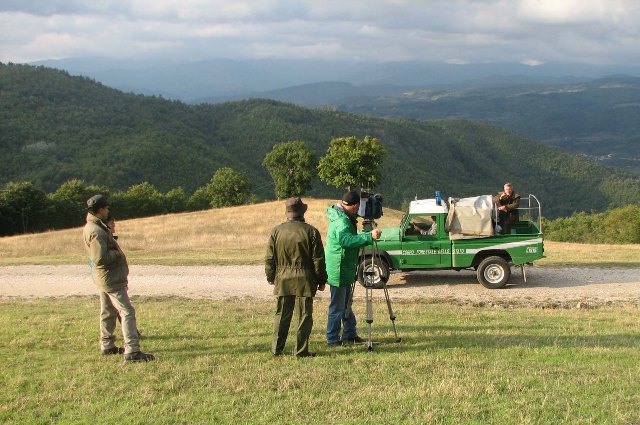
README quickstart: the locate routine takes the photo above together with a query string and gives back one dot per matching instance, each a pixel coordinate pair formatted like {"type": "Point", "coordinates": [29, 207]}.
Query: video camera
{"type": "Point", "coordinates": [370, 206]}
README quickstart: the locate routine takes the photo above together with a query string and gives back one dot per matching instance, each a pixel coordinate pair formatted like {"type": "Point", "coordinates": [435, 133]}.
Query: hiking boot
{"type": "Point", "coordinates": [356, 340]}
{"type": "Point", "coordinates": [334, 344]}
{"type": "Point", "coordinates": [138, 356]}
{"type": "Point", "coordinates": [112, 350]}
{"type": "Point", "coordinates": [307, 354]}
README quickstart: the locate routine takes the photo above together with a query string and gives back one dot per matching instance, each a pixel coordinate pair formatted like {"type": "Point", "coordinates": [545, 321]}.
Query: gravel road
{"type": "Point", "coordinates": [545, 286]}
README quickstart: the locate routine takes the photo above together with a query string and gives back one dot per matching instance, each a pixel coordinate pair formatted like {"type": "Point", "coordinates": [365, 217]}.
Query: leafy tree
{"type": "Point", "coordinates": [350, 162]}
{"type": "Point", "coordinates": [228, 188]}
{"type": "Point", "coordinates": [25, 208]}
{"type": "Point", "coordinates": [200, 200]}
{"type": "Point", "coordinates": [292, 166]}
{"type": "Point", "coordinates": [69, 203]}
{"type": "Point", "coordinates": [140, 200]}
{"type": "Point", "coordinates": [175, 200]}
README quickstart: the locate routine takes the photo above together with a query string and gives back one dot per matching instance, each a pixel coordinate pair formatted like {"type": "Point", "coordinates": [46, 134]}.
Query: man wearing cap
{"type": "Point", "coordinates": [110, 271]}
{"type": "Point", "coordinates": [294, 264]}
{"type": "Point", "coordinates": [341, 252]}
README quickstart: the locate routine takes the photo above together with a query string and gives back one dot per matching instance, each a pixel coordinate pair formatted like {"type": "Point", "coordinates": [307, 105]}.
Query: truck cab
{"type": "Point", "coordinates": [457, 234]}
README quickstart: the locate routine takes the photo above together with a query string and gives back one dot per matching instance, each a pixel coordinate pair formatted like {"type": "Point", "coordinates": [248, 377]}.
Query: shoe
{"type": "Point", "coordinates": [334, 344]}
{"type": "Point", "coordinates": [138, 356]}
{"type": "Point", "coordinates": [112, 350]}
{"type": "Point", "coordinates": [356, 340]}
{"type": "Point", "coordinates": [307, 354]}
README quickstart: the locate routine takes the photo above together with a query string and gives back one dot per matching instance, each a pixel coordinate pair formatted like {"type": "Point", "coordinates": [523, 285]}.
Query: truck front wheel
{"type": "Point", "coordinates": [493, 272]}
{"type": "Point", "coordinates": [373, 273]}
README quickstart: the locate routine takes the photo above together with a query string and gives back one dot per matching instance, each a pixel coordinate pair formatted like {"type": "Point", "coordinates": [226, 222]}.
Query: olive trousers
{"type": "Point", "coordinates": [285, 307]}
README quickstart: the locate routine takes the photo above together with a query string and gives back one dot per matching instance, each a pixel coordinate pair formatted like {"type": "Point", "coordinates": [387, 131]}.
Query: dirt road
{"type": "Point", "coordinates": [546, 286]}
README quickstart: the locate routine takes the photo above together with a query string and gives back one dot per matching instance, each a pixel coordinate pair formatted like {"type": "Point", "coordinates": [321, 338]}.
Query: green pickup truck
{"type": "Point", "coordinates": [458, 234]}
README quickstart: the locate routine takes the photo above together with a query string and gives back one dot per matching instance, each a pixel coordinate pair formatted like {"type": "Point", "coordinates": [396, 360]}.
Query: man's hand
{"type": "Point", "coordinates": [376, 233]}
{"type": "Point", "coordinates": [321, 286]}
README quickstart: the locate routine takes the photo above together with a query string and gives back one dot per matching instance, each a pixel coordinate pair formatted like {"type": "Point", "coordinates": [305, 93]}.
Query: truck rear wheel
{"type": "Point", "coordinates": [493, 272]}
{"type": "Point", "coordinates": [373, 274]}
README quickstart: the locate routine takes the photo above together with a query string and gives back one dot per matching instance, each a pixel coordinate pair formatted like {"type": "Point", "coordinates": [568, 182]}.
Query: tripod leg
{"type": "Point", "coordinates": [369, 297]}
{"type": "Point", "coordinates": [391, 315]}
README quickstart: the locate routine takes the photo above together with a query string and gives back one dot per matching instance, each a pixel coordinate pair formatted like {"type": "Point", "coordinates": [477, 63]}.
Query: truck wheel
{"type": "Point", "coordinates": [493, 272]}
{"type": "Point", "coordinates": [373, 274]}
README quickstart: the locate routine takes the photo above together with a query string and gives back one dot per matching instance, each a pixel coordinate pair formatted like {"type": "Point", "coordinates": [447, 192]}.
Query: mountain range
{"type": "Point", "coordinates": [55, 127]}
{"type": "Point", "coordinates": [590, 110]}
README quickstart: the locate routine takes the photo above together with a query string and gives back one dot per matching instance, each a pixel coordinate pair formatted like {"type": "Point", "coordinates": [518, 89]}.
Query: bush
{"type": "Point", "coordinates": [616, 226]}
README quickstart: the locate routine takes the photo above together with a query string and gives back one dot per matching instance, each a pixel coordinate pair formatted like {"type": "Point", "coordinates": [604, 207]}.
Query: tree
{"type": "Point", "coordinates": [350, 162]}
{"type": "Point", "coordinates": [292, 166]}
{"type": "Point", "coordinates": [69, 203]}
{"type": "Point", "coordinates": [140, 200]}
{"type": "Point", "coordinates": [175, 200]}
{"type": "Point", "coordinates": [24, 208]}
{"type": "Point", "coordinates": [200, 200]}
{"type": "Point", "coordinates": [228, 188]}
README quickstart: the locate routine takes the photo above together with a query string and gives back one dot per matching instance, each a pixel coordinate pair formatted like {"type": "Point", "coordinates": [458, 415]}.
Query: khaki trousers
{"type": "Point", "coordinates": [286, 305]}
{"type": "Point", "coordinates": [112, 303]}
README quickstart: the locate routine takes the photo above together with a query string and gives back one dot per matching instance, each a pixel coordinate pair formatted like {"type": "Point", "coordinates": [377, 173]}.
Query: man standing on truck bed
{"type": "Point", "coordinates": [508, 203]}
{"type": "Point", "coordinates": [341, 254]}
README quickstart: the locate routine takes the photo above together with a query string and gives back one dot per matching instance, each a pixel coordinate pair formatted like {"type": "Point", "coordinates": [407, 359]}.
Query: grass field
{"type": "Point", "coordinates": [238, 236]}
{"type": "Point", "coordinates": [454, 365]}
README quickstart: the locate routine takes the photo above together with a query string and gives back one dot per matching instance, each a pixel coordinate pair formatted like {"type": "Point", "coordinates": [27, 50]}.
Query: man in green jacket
{"type": "Point", "coordinates": [110, 270]}
{"type": "Point", "coordinates": [341, 252]}
{"type": "Point", "coordinates": [294, 264]}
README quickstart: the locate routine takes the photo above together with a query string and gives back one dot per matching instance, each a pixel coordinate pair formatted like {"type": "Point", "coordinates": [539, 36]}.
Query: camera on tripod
{"type": "Point", "coordinates": [370, 205]}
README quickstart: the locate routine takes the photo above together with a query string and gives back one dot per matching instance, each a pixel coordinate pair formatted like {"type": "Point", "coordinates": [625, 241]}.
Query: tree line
{"type": "Point", "coordinates": [349, 161]}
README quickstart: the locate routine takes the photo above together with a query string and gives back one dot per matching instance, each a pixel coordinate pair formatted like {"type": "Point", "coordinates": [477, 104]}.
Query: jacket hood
{"type": "Point", "coordinates": [335, 213]}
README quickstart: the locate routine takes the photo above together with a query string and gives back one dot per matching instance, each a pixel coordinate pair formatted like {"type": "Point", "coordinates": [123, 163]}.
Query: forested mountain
{"type": "Point", "coordinates": [599, 118]}
{"type": "Point", "coordinates": [54, 127]}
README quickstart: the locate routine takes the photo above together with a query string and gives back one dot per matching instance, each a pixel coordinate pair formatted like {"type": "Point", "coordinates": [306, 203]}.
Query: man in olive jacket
{"type": "Point", "coordinates": [109, 269]}
{"type": "Point", "coordinates": [508, 203]}
{"type": "Point", "coordinates": [341, 252]}
{"type": "Point", "coordinates": [294, 264]}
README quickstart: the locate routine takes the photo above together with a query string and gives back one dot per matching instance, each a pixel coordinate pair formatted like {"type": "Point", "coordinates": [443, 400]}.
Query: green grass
{"type": "Point", "coordinates": [455, 364]}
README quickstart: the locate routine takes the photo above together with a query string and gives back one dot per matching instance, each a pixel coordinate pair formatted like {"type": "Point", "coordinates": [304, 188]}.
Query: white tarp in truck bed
{"type": "Point", "coordinates": [470, 218]}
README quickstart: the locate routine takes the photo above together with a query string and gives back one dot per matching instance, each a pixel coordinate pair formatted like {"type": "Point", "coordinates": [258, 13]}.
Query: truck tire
{"type": "Point", "coordinates": [376, 273]}
{"type": "Point", "coordinates": [493, 272]}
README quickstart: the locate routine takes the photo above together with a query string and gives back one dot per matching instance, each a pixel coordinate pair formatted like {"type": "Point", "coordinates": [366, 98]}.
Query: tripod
{"type": "Point", "coordinates": [369, 278]}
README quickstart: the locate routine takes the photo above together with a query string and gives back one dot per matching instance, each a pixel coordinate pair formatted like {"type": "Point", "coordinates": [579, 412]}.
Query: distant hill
{"type": "Point", "coordinates": [217, 78]}
{"type": "Point", "coordinates": [599, 118]}
{"type": "Point", "coordinates": [327, 93]}
{"type": "Point", "coordinates": [55, 127]}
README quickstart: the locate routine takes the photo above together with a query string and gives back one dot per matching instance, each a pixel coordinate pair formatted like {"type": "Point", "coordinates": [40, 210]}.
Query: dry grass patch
{"type": "Point", "coordinates": [565, 253]}
{"type": "Point", "coordinates": [238, 235]}
{"type": "Point", "coordinates": [235, 235]}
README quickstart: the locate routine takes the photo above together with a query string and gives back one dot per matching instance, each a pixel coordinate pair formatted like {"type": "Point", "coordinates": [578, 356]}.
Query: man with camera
{"type": "Point", "coordinates": [294, 264]}
{"type": "Point", "coordinates": [341, 253]}
{"type": "Point", "coordinates": [110, 270]}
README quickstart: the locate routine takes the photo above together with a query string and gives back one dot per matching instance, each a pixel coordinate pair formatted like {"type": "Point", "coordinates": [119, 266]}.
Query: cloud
{"type": "Point", "coordinates": [453, 31]}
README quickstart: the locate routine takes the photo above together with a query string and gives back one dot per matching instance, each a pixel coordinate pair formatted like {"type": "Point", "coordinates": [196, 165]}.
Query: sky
{"type": "Point", "coordinates": [532, 32]}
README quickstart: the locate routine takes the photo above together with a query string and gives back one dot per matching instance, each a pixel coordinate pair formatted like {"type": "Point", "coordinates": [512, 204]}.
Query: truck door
{"type": "Point", "coordinates": [421, 249]}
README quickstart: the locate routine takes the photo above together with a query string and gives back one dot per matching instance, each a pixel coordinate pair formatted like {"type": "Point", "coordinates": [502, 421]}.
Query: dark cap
{"type": "Point", "coordinates": [351, 198]}
{"type": "Point", "coordinates": [96, 202]}
{"type": "Point", "coordinates": [295, 207]}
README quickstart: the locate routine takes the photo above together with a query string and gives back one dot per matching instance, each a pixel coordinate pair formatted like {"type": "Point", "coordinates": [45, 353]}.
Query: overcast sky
{"type": "Point", "coordinates": [453, 31]}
